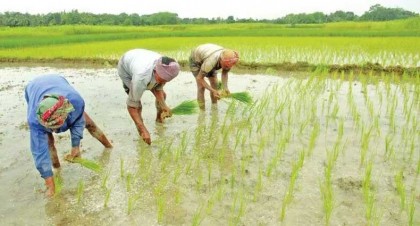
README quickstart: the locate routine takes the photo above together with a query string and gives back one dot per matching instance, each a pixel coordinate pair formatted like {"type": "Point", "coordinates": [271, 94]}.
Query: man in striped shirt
{"type": "Point", "coordinates": [205, 60]}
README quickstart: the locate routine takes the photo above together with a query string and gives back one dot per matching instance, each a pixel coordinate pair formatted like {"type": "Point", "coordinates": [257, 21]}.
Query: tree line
{"type": "Point", "coordinates": [74, 17]}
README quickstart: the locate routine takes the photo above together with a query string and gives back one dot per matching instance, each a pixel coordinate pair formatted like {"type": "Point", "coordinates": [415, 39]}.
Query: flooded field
{"type": "Point", "coordinates": [312, 150]}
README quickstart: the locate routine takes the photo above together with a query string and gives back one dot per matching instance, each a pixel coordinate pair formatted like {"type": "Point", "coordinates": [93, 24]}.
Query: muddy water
{"type": "Point", "coordinates": [22, 201]}
{"type": "Point", "coordinates": [133, 172]}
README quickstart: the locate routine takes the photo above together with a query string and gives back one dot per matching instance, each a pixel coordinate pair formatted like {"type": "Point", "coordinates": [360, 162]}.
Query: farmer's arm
{"type": "Point", "coordinates": [95, 131]}
{"type": "Point", "coordinates": [77, 125]}
{"type": "Point", "coordinates": [225, 80]}
{"type": "Point", "coordinates": [134, 106]}
{"type": "Point", "coordinates": [200, 79]}
{"type": "Point", "coordinates": [135, 114]}
{"type": "Point", "coordinates": [41, 155]}
{"type": "Point", "coordinates": [160, 104]}
{"type": "Point", "coordinates": [160, 96]}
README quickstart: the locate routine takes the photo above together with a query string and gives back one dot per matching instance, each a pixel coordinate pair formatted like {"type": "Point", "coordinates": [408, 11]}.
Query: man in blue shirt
{"type": "Point", "coordinates": [55, 106]}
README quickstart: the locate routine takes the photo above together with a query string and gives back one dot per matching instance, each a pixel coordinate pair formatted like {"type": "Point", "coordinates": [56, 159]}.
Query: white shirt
{"type": "Point", "coordinates": [138, 65]}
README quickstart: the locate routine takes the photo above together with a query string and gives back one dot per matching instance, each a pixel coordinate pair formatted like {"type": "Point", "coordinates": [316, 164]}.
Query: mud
{"type": "Point", "coordinates": [135, 180]}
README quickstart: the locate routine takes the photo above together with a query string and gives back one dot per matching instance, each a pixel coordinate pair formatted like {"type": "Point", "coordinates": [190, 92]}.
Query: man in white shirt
{"type": "Point", "coordinates": [141, 70]}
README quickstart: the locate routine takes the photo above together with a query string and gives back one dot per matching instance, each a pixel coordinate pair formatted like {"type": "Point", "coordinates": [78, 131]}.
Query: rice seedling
{"type": "Point", "coordinates": [389, 147]}
{"type": "Point", "coordinates": [177, 174]}
{"type": "Point", "coordinates": [237, 208]}
{"type": "Point", "coordinates": [304, 125]}
{"type": "Point", "coordinates": [288, 197]}
{"type": "Point", "coordinates": [238, 138]}
{"type": "Point", "coordinates": [58, 182]}
{"type": "Point", "coordinates": [199, 180]}
{"type": "Point", "coordinates": [313, 138]}
{"type": "Point", "coordinates": [326, 186]}
{"type": "Point", "coordinates": [376, 125]}
{"type": "Point", "coordinates": [105, 179]}
{"type": "Point", "coordinates": [327, 198]}
{"type": "Point", "coordinates": [365, 144]}
{"type": "Point", "coordinates": [369, 196]}
{"type": "Point", "coordinates": [89, 164]}
{"type": "Point", "coordinates": [243, 97]}
{"type": "Point", "coordinates": [211, 202]}
{"type": "Point", "coordinates": [400, 186]}
{"type": "Point", "coordinates": [80, 190]}
{"type": "Point", "coordinates": [161, 204]}
{"type": "Point", "coordinates": [411, 149]}
{"type": "Point", "coordinates": [107, 196]}
{"type": "Point", "coordinates": [197, 217]}
{"type": "Point", "coordinates": [166, 148]}
{"type": "Point", "coordinates": [369, 106]}
{"type": "Point", "coordinates": [280, 148]}
{"type": "Point", "coordinates": [178, 196]}
{"type": "Point", "coordinates": [355, 114]}
{"type": "Point", "coordinates": [411, 210]}
{"type": "Point", "coordinates": [187, 107]}
{"type": "Point", "coordinates": [209, 173]}
{"type": "Point", "coordinates": [128, 180]}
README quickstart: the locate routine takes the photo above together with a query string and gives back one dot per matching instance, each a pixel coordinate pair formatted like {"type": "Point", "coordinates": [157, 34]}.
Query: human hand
{"type": "Point", "coordinates": [146, 137]}
{"type": "Point", "coordinates": [216, 94]}
{"type": "Point", "coordinates": [166, 112]}
{"type": "Point", "coordinates": [224, 93]}
{"type": "Point", "coordinates": [75, 153]}
{"type": "Point", "coordinates": [49, 183]}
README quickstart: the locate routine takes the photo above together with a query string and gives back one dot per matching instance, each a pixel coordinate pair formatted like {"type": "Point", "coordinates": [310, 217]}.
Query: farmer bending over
{"type": "Point", "coordinates": [205, 60]}
{"type": "Point", "coordinates": [141, 70]}
{"type": "Point", "coordinates": [55, 106]}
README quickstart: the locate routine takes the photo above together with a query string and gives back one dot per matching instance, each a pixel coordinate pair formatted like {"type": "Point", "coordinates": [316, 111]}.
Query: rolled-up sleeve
{"type": "Point", "coordinates": [40, 152]}
{"type": "Point", "coordinates": [76, 121]}
{"type": "Point", "coordinates": [76, 131]}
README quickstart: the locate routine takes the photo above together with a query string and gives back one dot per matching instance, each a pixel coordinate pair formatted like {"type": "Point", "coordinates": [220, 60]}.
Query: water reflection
{"type": "Point", "coordinates": [104, 158]}
{"type": "Point", "coordinates": [75, 192]}
{"type": "Point", "coordinates": [214, 116]}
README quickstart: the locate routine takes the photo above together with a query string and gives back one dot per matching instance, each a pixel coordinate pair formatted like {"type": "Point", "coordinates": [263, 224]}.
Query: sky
{"type": "Point", "coordinates": [239, 9]}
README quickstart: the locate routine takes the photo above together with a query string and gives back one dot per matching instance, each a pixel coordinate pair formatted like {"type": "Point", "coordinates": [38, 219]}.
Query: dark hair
{"type": "Point", "coordinates": [167, 60]}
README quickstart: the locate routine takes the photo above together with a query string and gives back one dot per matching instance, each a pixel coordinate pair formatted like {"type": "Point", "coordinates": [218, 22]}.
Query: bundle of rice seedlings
{"type": "Point", "coordinates": [89, 164]}
{"type": "Point", "coordinates": [243, 97]}
{"type": "Point", "coordinates": [187, 107]}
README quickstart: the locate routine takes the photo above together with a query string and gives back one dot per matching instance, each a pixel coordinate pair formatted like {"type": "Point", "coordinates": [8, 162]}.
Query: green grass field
{"type": "Point", "coordinates": [393, 43]}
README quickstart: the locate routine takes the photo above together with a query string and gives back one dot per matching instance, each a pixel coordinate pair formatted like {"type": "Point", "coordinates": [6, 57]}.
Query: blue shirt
{"type": "Point", "coordinates": [34, 93]}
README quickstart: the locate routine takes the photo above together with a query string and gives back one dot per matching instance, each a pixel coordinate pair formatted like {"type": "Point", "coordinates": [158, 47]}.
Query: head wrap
{"type": "Point", "coordinates": [53, 111]}
{"type": "Point", "coordinates": [167, 68]}
{"type": "Point", "coordinates": [229, 57]}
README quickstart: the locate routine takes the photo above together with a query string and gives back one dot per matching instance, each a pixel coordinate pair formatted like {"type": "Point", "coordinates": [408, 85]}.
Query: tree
{"type": "Point", "coordinates": [230, 20]}
{"type": "Point", "coordinates": [161, 18]}
{"type": "Point", "coordinates": [380, 13]}
{"type": "Point", "coordinates": [72, 17]}
{"type": "Point", "coordinates": [338, 16]}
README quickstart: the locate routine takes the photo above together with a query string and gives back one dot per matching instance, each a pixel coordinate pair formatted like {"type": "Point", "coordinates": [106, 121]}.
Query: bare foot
{"type": "Point", "coordinates": [70, 157]}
